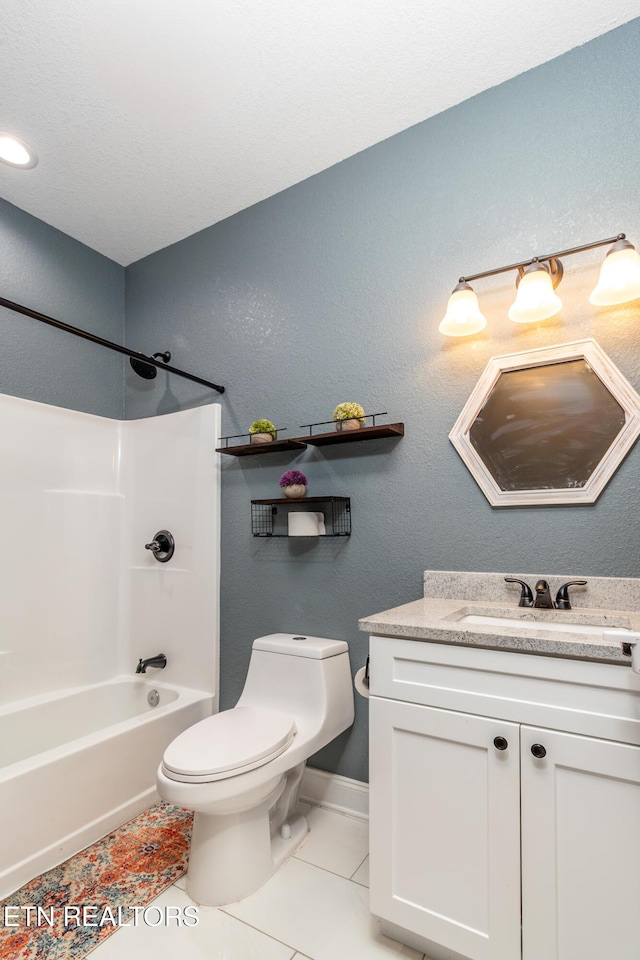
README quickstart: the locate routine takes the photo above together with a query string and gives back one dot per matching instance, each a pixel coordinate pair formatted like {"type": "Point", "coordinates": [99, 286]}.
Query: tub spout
{"type": "Point", "coordinates": [159, 661]}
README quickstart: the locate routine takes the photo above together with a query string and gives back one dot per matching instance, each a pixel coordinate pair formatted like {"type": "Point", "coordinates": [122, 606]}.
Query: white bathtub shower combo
{"type": "Point", "coordinates": [82, 601]}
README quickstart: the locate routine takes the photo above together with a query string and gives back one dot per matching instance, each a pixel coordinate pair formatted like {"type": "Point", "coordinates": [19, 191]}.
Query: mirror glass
{"type": "Point", "coordinates": [548, 426]}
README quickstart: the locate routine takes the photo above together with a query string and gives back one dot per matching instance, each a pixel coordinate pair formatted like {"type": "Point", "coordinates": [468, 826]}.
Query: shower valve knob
{"type": "Point", "coordinates": [162, 546]}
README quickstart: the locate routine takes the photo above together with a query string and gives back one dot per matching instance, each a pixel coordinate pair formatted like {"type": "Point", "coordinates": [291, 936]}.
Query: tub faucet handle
{"type": "Point", "coordinates": [162, 546]}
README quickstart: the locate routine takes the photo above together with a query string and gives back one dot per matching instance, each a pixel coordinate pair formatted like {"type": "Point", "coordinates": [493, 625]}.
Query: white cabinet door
{"type": "Point", "coordinates": [580, 848]}
{"type": "Point", "coordinates": [445, 828]}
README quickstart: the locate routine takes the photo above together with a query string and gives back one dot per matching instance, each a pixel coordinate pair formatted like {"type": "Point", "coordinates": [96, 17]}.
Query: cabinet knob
{"type": "Point", "coordinates": [538, 751]}
{"type": "Point", "coordinates": [500, 743]}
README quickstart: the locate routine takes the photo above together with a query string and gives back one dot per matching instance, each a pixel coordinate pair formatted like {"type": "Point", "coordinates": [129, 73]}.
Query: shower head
{"type": "Point", "coordinates": [145, 370]}
{"type": "Point", "coordinates": [148, 371]}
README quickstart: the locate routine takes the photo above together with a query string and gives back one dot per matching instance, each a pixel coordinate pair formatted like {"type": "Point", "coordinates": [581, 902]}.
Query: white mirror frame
{"type": "Point", "coordinates": [613, 380]}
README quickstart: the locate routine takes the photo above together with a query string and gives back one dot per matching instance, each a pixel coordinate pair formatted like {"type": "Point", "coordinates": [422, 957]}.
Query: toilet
{"type": "Point", "coordinates": [240, 769]}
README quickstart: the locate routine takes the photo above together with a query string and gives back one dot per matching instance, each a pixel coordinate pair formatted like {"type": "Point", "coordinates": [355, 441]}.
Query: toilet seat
{"type": "Point", "coordinates": [228, 744]}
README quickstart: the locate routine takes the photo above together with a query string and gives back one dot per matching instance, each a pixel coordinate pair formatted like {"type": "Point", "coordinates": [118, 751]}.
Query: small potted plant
{"type": "Point", "coordinates": [294, 484]}
{"type": "Point", "coordinates": [348, 416]}
{"type": "Point", "coordinates": [262, 431]}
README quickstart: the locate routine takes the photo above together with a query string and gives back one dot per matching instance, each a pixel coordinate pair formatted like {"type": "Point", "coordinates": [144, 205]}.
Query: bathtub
{"type": "Point", "coordinates": [75, 765]}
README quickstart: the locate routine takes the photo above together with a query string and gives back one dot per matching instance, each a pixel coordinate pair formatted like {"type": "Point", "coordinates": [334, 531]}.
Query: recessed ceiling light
{"type": "Point", "coordinates": [16, 152]}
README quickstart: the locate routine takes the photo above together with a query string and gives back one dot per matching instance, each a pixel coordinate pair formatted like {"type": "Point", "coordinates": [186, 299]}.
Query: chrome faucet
{"type": "Point", "coordinates": [159, 661]}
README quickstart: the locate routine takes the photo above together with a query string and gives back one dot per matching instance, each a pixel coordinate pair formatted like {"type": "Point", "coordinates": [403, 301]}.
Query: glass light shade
{"type": "Point", "coordinates": [619, 276]}
{"type": "Point", "coordinates": [535, 299]}
{"type": "Point", "coordinates": [16, 153]}
{"type": "Point", "coordinates": [463, 316]}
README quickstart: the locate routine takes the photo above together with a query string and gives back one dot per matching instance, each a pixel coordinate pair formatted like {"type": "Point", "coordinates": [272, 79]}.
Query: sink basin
{"type": "Point", "coordinates": [556, 626]}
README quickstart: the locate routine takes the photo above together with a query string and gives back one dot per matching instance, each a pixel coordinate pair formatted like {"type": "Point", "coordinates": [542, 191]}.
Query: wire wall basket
{"type": "Point", "coordinates": [269, 518]}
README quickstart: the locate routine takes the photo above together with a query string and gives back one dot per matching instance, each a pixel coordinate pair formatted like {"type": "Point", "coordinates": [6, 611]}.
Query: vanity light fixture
{"type": "Point", "coordinates": [536, 282]}
{"type": "Point", "coordinates": [619, 276]}
{"type": "Point", "coordinates": [16, 153]}
{"type": "Point", "coordinates": [463, 316]}
{"type": "Point", "coordinates": [536, 299]}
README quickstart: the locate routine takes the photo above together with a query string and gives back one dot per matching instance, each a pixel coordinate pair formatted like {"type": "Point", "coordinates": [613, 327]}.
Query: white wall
{"type": "Point", "coordinates": [80, 598]}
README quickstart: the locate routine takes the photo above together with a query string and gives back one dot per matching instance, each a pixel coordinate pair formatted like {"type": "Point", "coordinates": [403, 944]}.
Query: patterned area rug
{"type": "Point", "coordinates": [68, 911]}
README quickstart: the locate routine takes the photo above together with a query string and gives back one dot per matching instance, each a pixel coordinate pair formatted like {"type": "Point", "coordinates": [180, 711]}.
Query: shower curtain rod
{"type": "Point", "coordinates": [109, 344]}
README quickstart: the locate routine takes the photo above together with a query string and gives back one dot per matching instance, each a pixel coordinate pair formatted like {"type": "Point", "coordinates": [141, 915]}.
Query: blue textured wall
{"type": "Point", "coordinates": [48, 271]}
{"type": "Point", "coordinates": [333, 291]}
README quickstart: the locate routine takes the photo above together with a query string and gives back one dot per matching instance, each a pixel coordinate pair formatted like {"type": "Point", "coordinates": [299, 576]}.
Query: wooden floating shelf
{"type": "Point", "coordinates": [318, 440]}
{"type": "Point", "coordinates": [350, 436]}
{"type": "Point", "coordinates": [249, 449]}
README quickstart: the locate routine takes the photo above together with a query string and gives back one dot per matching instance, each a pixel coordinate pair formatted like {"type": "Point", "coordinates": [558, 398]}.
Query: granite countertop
{"type": "Point", "coordinates": [438, 618]}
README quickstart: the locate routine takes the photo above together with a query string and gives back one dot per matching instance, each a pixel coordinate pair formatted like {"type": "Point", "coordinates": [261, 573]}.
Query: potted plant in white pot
{"type": "Point", "coordinates": [293, 484]}
{"type": "Point", "coordinates": [348, 416]}
{"type": "Point", "coordinates": [262, 431]}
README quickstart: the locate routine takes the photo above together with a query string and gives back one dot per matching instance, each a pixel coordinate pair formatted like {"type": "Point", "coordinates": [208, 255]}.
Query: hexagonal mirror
{"type": "Point", "coordinates": [548, 426]}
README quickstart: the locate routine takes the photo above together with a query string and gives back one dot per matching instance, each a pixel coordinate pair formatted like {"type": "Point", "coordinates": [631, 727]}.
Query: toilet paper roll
{"type": "Point", "coordinates": [359, 682]}
{"type": "Point", "coordinates": [305, 524]}
{"type": "Point", "coordinates": [628, 639]}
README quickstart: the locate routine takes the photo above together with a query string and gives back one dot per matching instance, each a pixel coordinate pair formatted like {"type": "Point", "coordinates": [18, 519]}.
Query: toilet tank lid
{"type": "Point", "coordinates": [300, 645]}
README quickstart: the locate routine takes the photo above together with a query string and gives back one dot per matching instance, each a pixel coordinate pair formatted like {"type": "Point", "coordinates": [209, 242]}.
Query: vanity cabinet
{"type": "Point", "coordinates": [504, 803]}
{"type": "Point", "coordinates": [444, 862]}
{"type": "Point", "coordinates": [580, 847]}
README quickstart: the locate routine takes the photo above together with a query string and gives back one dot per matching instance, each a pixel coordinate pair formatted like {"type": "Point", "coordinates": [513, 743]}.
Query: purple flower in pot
{"type": "Point", "coordinates": [294, 484]}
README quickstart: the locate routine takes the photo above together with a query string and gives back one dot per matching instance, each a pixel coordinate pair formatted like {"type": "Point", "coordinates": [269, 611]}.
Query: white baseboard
{"type": "Point", "coordinates": [342, 794]}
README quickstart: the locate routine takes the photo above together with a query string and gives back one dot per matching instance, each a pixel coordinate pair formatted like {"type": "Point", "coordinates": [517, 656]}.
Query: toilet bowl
{"type": "Point", "coordinates": [240, 770]}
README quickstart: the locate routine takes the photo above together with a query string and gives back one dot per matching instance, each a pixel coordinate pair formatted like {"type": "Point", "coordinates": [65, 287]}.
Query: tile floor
{"type": "Point", "coordinates": [314, 908]}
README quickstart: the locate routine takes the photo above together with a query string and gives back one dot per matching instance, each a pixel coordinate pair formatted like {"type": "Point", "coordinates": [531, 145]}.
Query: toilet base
{"type": "Point", "coordinates": [233, 854]}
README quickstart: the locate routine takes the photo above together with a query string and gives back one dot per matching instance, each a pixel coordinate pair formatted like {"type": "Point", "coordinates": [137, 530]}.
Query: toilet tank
{"type": "Point", "coordinates": [295, 645]}
{"type": "Point", "coordinates": [308, 677]}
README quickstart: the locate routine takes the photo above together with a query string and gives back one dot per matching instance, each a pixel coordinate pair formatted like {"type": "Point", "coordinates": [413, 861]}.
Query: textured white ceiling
{"type": "Point", "coordinates": [156, 118]}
